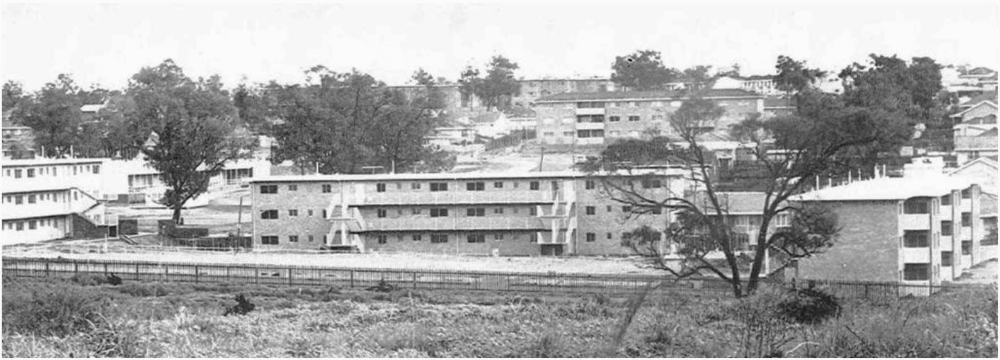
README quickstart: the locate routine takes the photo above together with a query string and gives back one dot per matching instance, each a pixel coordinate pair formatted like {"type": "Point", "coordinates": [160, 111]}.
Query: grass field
{"type": "Point", "coordinates": [81, 317]}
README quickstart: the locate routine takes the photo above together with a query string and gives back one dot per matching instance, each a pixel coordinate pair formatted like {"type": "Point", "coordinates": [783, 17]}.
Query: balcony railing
{"type": "Point", "coordinates": [459, 223]}
{"type": "Point", "coordinates": [458, 197]}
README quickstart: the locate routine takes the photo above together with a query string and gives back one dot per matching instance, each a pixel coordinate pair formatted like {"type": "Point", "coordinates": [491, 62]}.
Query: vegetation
{"type": "Point", "coordinates": [185, 320]}
{"type": "Point", "coordinates": [496, 88]}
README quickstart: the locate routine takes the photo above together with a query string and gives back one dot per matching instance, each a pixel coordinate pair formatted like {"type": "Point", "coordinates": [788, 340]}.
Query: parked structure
{"type": "Point", "coordinates": [601, 118]}
{"type": "Point", "coordinates": [507, 214]}
{"type": "Point", "coordinates": [45, 199]}
{"type": "Point", "coordinates": [918, 229]}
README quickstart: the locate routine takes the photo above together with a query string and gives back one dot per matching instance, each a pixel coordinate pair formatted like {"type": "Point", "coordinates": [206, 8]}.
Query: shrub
{"type": "Point", "coordinates": [46, 309]}
{"type": "Point", "coordinates": [243, 306]}
{"type": "Point", "coordinates": [116, 339]}
{"type": "Point", "coordinates": [549, 345]}
{"type": "Point", "coordinates": [382, 287]}
{"type": "Point", "coordinates": [416, 337]}
{"type": "Point", "coordinates": [143, 290]}
{"type": "Point", "coordinates": [809, 306]}
{"type": "Point", "coordinates": [87, 279]}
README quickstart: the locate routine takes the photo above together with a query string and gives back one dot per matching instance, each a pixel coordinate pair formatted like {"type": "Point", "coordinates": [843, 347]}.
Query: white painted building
{"type": "Point", "coordinates": [46, 199]}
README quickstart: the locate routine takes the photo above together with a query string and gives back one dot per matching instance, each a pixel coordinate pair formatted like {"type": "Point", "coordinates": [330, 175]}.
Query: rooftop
{"type": "Point", "coordinates": [49, 161]}
{"type": "Point", "coordinates": [645, 95]}
{"type": "Point", "coordinates": [982, 120]}
{"type": "Point", "coordinates": [890, 188]}
{"type": "Point", "coordinates": [444, 176]}
{"type": "Point", "coordinates": [990, 96]}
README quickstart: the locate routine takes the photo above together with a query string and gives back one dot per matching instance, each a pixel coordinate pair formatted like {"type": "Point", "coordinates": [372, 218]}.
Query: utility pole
{"type": "Point", "coordinates": [541, 160]}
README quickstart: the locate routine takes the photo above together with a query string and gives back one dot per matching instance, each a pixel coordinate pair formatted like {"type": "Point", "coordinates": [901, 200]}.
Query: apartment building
{"type": "Point", "coordinates": [920, 229]}
{"type": "Point", "coordinates": [553, 213]}
{"type": "Point", "coordinates": [601, 118]}
{"type": "Point", "coordinates": [45, 199]}
{"type": "Point", "coordinates": [533, 89]}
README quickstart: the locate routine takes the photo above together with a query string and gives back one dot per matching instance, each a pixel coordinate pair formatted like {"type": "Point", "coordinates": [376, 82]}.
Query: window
{"type": "Point", "coordinates": [439, 213]}
{"type": "Point", "coordinates": [915, 238]}
{"type": "Point", "coordinates": [438, 239]}
{"type": "Point", "coordinates": [327, 188]}
{"type": "Point", "coordinates": [657, 117]}
{"type": "Point", "coordinates": [590, 184]}
{"type": "Point", "coordinates": [591, 210]}
{"type": "Point", "coordinates": [657, 210]}
{"type": "Point", "coordinates": [626, 209]}
{"type": "Point", "coordinates": [269, 214]}
{"type": "Point", "coordinates": [591, 237]}
{"type": "Point", "coordinates": [609, 208]}
{"type": "Point", "coordinates": [269, 189]}
{"type": "Point", "coordinates": [293, 212]}
{"type": "Point", "coordinates": [916, 206]}
{"type": "Point", "coordinates": [439, 186]}
{"type": "Point", "coordinates": [533, 211]}
{"type": "Point", "coordinates": [415, 186]}
{"type": "Point", "coordinates": [293, 238]}
{"type": "Point", "coordinates": [946, 258]}
{"type": "Point", "coordinates": [31, 199]}
{"type": "Point", "coordinates": [269, 240]}
{"type": "Point", "coordinates": [589, 133]}
{"type": "Point", "coordinates": [17, 173]}
{"type": "Point", "coordinates": [382, 213]}
{"type": "Point", "coordinates": [475, 186]}
{"type": "Point", "coordinates": [18, 199]}
{"type": "Point", "coordinates": [31, 173]}
{"type": "Point", "coordinates": [293, 188]}
{"type": "Point", "coordinates": [568, 133]}
{"type": "Point", "coordinates": [534, 185]}
{"type": "Point", "coordinates": [533, 238]}
{"type": "Point", "coordinates": [310, 238]}
{"type": "Point", "coordinates": [399, 186]}
{"type": "Point", "coordinates": [382, 239]}
{"type": "Point", "coordinates": [309, 213]}
{"type": "Point", "coordinates": [967, 193]}
{"type": "Point", "coordinates": [498, 210]}
{"type": "Point", "coordinates": [20, 225]}
{"type": "Point", "coordinates": [916, 272]}
{"type": "Point", "coordinates": [324, 213]}
{"type": "Point", "coordinates": [498, 185]}
{"type": "Point", "coordinates": [614, 118]}
{"type": "Point", "coordinates": [946, 228]}
{"type": "Point", "coordinates": [416, 211]}
{"type": "Point", "coordinates": [967, 247]}
{"type": "Point", "coordinates": [417, 238]}
{"type": "Point", "coordinates": [946, 200]}
{"type": "Point", "coordinates": [475, 212]}
{"type": "Point", "coordinates": [651, 184]}
{"type": "Point", "coordinates": [476, 238]}
{"type": "Point", "coordinates": [633, 118]}
{"type": "Point", "coordinates": [380, 187]}
{"type": "Point", "coordinates": [966, 219]}
{"type": "Point", "coordinates": [32, 225]}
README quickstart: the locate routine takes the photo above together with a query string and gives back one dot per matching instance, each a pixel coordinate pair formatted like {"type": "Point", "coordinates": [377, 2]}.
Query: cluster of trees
{"type": "Point", "coordinates": [643, 70]}
{"type": "Point", "coordinates": [497, 88]}
{"type": "Point", "coordinates": [827, 134]}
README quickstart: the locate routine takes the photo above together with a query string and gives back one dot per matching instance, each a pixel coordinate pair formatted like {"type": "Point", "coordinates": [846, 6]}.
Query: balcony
{"type": "Point", "coordinates": [916, 255]}
{"type": "Point", "coordinates": [590, 111]}
{"type": "Point", "coordinates": [458, 197]}
{"type": "Point", "coordinates": [590, 126]}
{"type": "Point", "coordinates": [459, 224]}
{"type": "Point", "coordinates": [915, 221]}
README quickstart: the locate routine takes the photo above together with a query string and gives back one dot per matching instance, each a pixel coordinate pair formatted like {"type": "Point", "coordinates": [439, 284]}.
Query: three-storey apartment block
{"type": "Point", "coordinates": [468, 213]}
{"type": "Point", "coordinates": [598, 118]}
{"type": "Point", "coordinates": [45, 199]}
{"type": "Point", "coordinates": [914, 230]}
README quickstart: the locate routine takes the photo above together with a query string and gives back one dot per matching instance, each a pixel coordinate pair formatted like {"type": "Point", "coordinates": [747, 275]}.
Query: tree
{"type": "Point", "coordinates": [54, 116]}
{"type": "Point", "coordinates": [891, 84]}
{"type": "Point", "coordinates": [809, 145]}
{"type": "Point", "coordinates": [421, 77]}
{"type": "Point", "coordinates": [642, 70]}
{"type": "Point", "coordinates": [497, 88]}
{"type": "Point", "coordinates": [698, 77]}
{"type": "Point", "coordinates": [344, 122]}
{"type": "Point", "coordinates": [251, 105]}
{"type": "Point", "coordinates": [193, 129]}
{"type": "Point", "coordinates": [13, 95]}
{"type": "Point", "coordinates": [793, 76]}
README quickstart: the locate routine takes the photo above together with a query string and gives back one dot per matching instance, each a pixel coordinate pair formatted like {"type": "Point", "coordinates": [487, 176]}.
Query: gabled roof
{"type": "Point", "coordinates": [890, 189]}
{"type": "Point", "coordinates": [982, 160]}
{"type": "Point", "coordinates": [990, 103]}
{"type": "Point", "coordinates": [982, 120]}
{"type": "Point", "coordinates": [990, 96]}
{"type": "Point", "coordinates": [989, 133]}
{"type": "Point", "coordinates": [644, 95]}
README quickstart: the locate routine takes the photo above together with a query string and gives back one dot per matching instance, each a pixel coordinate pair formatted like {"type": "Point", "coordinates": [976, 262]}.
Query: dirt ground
{"type": "Point", "coordinates": [221, 216]}
{"type": "Point", "coordinates": [983, 273]}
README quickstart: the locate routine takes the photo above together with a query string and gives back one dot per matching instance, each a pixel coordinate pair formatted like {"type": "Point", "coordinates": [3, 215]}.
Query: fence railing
{"type": "Point", "coordinates": [420, 279]}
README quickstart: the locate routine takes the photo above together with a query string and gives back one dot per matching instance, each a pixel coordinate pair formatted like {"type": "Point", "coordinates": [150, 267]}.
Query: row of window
{"type": "Point", "coordinates": [923, 205]}
{"type": "Point", "coordinates": [32, 224]}
{"type": "Point", "coordinates": [609, 133]}
{"type": "Point", "coordinates": [614, 118]}
{"type": "Point", "coordinates": [614, 104]}
{"type": "Point", "coordinates": [272, 214]}
{"type": "Point", "coordinates": [434, 186]}
{"type": "Point", "coordinates": [384, 239]}
{"type": "Point", "coordinates": [32, 172]}
{"type": "Point", "coordinates": [35, 198]}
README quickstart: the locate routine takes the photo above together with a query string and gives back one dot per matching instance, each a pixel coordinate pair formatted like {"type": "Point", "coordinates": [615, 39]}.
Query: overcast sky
{"type": "Point", "coordinates": [107, 44]}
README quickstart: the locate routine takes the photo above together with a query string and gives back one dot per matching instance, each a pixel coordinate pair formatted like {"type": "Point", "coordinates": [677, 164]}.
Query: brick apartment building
{"type": "Point", "coordinates": [601, 117]}
{"type": "Point", "coordinates": [920, 229]}
{"type": "Point", "coordinates": [46, 199]}
{"type": "Point", "coordinates": [509, 214]}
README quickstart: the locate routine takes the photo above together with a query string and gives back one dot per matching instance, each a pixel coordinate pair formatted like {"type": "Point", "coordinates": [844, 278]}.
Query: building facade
{"type": "Point", "coordinates": [921, 230]}
{"type": "Point", "coordinates": [534, 89]}
{"type": "Point", "coordinates": [474, 213]}
{"type": "Point", "coordinates": [975, 131]}
{"type": "Point", "coordinates": [602, 118]}
{"type": "Point", "coordinates": [46, 199]}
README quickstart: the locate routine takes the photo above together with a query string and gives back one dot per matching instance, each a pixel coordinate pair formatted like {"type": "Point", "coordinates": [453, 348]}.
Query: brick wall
{"type": "Point", "coordinates": [862, 252]}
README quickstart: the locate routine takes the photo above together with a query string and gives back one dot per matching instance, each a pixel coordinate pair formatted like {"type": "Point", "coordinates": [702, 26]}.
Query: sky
{"type": "Point", "coordinates": [107, 44]}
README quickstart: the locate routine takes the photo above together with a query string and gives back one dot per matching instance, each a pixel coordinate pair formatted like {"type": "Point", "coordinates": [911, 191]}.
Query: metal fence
{"type": "Point", "coordinates": [420, 279]}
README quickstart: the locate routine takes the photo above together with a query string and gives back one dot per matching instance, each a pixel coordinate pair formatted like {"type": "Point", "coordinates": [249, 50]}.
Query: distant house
{"type": "Point", "coordinates": [491, 124]}
{"type": "Point", "coordinates": [761, 84]}
{"type": "Point", "coordinates": [982, 171]}
{"type": "Point", "coordinates": [975, 133]}
{"type": "Point", "coordinates": [18, 141]}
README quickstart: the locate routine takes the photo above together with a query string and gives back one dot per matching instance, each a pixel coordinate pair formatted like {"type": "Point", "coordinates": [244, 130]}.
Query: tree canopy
{"type": "Point", "coordinates": [642, 70]}
{"type": "Point", "coordinates": [497, 88]}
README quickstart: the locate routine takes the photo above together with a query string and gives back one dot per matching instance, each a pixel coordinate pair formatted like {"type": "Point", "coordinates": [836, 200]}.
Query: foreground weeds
{"type": "Point", "coordinates": [84, 317]}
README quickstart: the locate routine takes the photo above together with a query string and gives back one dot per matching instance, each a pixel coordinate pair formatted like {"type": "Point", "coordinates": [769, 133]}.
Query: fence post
{"type": "Point", "coordinates": [76, 267]}
{"type": "Point", "coordinates": [196, 273]}
{"type": "Point", "coordinates": [46, 269]}
{"type": "Point", "coordinates": [414, 280]}
{"type": "Point", "coordinates": [352, 278]}
{"type": "Point", "coordinates": [289, 276]}
{"type": "Point", "coordinates": [137, 271]}
{"type": "Point", "coordinates": [105, 269]}
{"type": "Point", "coordinates": [256, 276]}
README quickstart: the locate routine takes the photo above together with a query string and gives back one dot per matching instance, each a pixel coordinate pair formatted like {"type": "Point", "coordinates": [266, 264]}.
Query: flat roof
{"type": "Point", "coordinates": [924, 185]}
{"type": "Point", "coordinates": [453, 176]}
{"type": "Point", "coordinates": [645, 95]}
{"type": "Point", "coordinates": [49, 161]}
